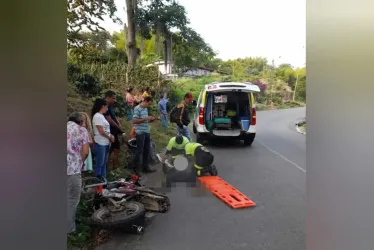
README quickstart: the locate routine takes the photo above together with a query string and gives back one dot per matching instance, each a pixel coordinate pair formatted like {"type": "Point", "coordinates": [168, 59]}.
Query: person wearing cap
{"type": "Point", "coordinates": [184, 117]}
{"type": "Point", "coordinates": [201, 158]}
{"type": "Point", "coordinates": [176, 147]}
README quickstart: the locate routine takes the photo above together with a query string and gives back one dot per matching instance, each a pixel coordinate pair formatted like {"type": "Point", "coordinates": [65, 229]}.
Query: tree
{"type": "Point", "coordinates": [95, 47]}
{"type": "Point", "coordinates": [85, 13]}
{"type": "Point", "coordinates": [286, 73]}
{"type": "Point", "coordinates": [131, 6]}
{"type": "Point", "coordinates": [214, 64]}
{"type": "Point", "coordinates": [190, 50]}
{"type": "Point", "coordinates": [118, 40]}
{"type": "Point", "coordinates": [300, 89]}
{"type": "Point", "coordinates": [159, 17]}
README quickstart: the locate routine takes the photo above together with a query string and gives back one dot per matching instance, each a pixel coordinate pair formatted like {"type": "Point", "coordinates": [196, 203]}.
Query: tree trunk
{"type": "Point", "coordinates": [125, 31]}
{"type": "Point", "coordinates": [157, 40]}
{"type": "Point", "coordinates": [166, 56]}
{"type": "Point", "coordinates": [126, 39]}
{"type": "Point", "coordinates": [131, 33]}
{"type": "Point", "coordinates": [170, 52]}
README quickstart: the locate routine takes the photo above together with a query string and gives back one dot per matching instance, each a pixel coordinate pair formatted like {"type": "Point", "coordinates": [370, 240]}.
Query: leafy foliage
{"type": "Point", "coordinates": [95, 47]}
{"type": "Point", "coordinates": [87, 86]}
{"type": "Point", "coordinates": [160, 14]}
{"type": "Point", "coordinates": [190, 50]}
{"type": "Point", "coordinates": [85, 13]}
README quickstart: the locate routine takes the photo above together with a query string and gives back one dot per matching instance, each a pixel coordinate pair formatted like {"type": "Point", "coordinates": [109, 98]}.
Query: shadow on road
{"type": "Point", "coordinates": [225, 143]}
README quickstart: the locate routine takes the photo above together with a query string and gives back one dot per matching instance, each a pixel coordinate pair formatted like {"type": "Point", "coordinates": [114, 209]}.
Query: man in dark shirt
{"type": "Point", "coordinates": [184, 117]}
{"type": "Point", "coordinates": [115, 126]}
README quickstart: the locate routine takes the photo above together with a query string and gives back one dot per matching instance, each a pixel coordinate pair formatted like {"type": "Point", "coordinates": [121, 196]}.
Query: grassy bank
{"type": "Point", "coordinates": [85, 238]}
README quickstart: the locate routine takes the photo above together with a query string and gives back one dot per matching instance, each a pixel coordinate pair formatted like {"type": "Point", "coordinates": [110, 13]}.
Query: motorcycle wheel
{"type": "Point", "coordinates": [131, 213]}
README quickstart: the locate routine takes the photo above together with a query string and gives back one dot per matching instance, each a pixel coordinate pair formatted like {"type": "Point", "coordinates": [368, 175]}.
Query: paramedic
{"type": "Point", "coordinates": [201, 158]}
{"type": "Point", "coordinates": [176, 146]}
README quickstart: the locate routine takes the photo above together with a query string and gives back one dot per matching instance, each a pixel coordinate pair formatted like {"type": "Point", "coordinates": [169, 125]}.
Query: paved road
{"type": "Point", "coordinates": [271, 172]}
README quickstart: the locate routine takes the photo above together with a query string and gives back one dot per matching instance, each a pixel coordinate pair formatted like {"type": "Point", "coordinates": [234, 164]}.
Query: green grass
{"type": "Point", "coordinates": [193, 85]}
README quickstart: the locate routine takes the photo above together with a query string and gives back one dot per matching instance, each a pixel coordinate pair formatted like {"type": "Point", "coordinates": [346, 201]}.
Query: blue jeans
{"type": "Point", "coordinates": [101, 155]}
{"type": "Point", "coordinates": [164, 120]}
{"type": "Point", "coordinates": [143, 143]}
{"type": "Point", "coordinates": [184, 132]}
{"type": "Point", "coordinates": [130, 113]}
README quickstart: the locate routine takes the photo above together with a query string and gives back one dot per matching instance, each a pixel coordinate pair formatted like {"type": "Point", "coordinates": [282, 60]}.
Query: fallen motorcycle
{"type": "Point", "coordinates": [123, 203]}
{"type": "Point", "coordinates": [152, 201]}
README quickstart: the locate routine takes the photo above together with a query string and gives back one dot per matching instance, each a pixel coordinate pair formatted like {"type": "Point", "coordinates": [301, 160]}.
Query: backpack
{"type": "Point", "coordinates": [174, 115]}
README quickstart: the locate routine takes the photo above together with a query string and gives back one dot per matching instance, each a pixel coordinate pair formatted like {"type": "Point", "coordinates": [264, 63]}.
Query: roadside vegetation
{"type": "Point", "coordinates": [99, 61]}
{"type": "Point", "coordinates": [281, 87]}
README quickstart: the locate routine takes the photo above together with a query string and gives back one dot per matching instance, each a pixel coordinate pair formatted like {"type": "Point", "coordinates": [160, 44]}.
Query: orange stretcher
{"type": "Point", "coordinates": [227, 193]}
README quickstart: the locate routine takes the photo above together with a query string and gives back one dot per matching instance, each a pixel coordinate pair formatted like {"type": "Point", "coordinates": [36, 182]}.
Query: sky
{"type": "Point", "coordinates": [272, 29]}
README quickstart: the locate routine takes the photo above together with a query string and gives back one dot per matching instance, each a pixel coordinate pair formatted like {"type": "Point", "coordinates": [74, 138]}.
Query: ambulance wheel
{"type": "Point", "coordinates": [248, 140]}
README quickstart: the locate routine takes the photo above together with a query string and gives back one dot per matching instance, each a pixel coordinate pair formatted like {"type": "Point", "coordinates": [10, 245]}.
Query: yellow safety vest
{"type": "Point", "coordinates": [190, 150]}
{"type": "Point", "coordinates": [179, 147]}
{"type": "Point", "coordinates": [191, 146]}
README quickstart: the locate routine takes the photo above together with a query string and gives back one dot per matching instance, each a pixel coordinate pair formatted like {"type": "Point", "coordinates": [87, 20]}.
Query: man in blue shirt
{"type": "Point", "coordinates": [141, 121]}
{"type": "Point", "coordinates": [163, 111]}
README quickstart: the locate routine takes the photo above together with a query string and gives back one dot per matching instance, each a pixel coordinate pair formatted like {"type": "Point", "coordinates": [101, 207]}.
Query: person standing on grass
{"type": "Point", "coordinates": [138, 98]}
{"type": "Point", "coordinates": [141, 121]}
{"type": "Point", "coordinates": [88, 165]}
{"type": "Point", "coordinates": [163, 111]}
{"type": "Point", "coordinates": [77, 152]}
{"type": "Point", "coordinates": [130, 103]}
{"type": "Point", "coordinates": [102, 137]}
{"type": "Point", "coordinates": [183, 116]}
{"type": "Point", "coordinates": [115, 127]}
{"type": "Point", "coordinates": [145, 92]}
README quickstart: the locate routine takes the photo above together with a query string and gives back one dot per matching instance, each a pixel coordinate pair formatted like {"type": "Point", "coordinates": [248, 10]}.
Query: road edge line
{"type": "Point", "coordinates": [281, 156]}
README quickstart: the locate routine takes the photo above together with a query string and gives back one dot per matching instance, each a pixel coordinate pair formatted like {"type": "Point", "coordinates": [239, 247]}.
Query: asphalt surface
{"type": "Point", "coordinates": [271, 172]}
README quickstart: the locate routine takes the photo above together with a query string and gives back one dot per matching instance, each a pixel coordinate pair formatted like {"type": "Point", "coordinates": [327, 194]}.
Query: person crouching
{"type": "Point", "coordinates": [202, 159]}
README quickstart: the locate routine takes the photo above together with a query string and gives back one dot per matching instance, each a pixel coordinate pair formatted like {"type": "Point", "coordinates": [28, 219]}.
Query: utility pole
{"type": "Point", "coordinates": [294, 91]}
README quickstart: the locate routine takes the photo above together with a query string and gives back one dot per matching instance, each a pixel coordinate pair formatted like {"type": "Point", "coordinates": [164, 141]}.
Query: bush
{"type": "Point", "coordinates": [73, 72]}
{"type": "Point", "coordinates": [86, 85]}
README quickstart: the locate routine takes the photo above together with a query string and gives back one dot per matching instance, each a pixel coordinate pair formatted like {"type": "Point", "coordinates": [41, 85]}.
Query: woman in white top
{"type": "Point", "coordinates": [102, 137]}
